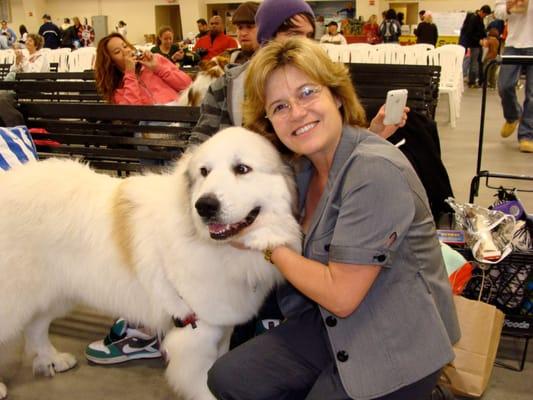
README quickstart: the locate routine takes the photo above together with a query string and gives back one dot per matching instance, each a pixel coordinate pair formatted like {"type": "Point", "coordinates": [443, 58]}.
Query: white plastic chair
{"type": "Point", "coordinates": [59, 56]}
{"type": "Point", "coordinates": [81, 59]}
{"type": "Point", "coordinates": [418, 53]}
{"type": "Point", "coordinates": [360, 52]}
{"type": "Point", "coordinates": [385, 53]}
{"type": "Point", "coordinates": [332, 50]}
{"type": "Point", "coordinates": [344, 53]}
{"type": "Point", "coordinates": [450, 59]}
{"type": "Point", "coordinates": [7, 56]}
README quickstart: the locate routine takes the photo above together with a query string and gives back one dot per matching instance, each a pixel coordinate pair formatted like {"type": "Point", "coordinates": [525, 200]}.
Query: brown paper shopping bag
{"type": "Point", "coordinates": [481, 326]}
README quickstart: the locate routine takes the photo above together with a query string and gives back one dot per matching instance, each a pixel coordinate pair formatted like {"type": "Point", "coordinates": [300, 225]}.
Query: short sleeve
{"type": "Point", "coordinates": [376, 211]}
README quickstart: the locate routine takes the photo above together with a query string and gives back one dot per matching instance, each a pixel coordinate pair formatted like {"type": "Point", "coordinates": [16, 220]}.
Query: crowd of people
{"type": "Point", "coordinates": [345, 293]}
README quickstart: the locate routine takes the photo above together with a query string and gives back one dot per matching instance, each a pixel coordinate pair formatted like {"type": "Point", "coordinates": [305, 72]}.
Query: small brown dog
{"type": "Point", "coordinates": [209, 72]}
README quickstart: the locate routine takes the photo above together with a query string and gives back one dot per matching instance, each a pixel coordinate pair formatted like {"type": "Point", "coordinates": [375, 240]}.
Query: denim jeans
{"type": "Point", "coordinates": [474, 73]}
{"type": "Point", "coordinates": [512, 110]}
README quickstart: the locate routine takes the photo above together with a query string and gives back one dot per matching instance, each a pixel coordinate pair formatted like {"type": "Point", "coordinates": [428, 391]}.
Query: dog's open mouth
{"type": "Point", "coordinates": [224, 231]}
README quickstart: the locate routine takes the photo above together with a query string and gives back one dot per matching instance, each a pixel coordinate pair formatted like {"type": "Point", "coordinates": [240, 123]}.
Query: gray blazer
{"type": "Point", "coordinates": [374, 211]}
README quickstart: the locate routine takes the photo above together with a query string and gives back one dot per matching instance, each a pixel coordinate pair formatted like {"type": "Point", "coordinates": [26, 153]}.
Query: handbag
{"type": "Point", "coordinates": [481, 326]}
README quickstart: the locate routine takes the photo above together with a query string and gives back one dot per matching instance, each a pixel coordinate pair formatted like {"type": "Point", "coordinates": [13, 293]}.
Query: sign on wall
{"type": "Point", "coordinates": [449, 23]}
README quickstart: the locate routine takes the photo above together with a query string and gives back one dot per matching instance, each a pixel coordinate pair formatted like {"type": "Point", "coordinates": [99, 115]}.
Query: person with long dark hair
{"type": "Point", "coordinates": [124, 78]}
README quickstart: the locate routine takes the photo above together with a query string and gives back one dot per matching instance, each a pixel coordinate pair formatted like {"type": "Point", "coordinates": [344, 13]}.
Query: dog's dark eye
{"type": "Point", "coordinates": [241, 169]}
{"type": "Point", "coordinates": [204, 171]}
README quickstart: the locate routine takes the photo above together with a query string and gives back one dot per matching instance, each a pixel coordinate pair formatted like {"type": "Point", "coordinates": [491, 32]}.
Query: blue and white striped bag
{"type": "Point", "coordinates": [16, 147]}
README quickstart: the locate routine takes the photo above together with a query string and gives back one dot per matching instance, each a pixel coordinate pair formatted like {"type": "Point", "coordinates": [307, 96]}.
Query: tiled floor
{"type": "Point", "coordinates": [144, 379]}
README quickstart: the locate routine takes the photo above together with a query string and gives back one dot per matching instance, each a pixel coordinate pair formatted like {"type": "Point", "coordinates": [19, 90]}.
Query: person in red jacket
{"type": "Point", "coordinates": [216, 42]}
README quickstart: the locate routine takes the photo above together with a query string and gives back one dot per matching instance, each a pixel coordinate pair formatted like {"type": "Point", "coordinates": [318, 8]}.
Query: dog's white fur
{"type": "Point", "coordinates": [137, 247]}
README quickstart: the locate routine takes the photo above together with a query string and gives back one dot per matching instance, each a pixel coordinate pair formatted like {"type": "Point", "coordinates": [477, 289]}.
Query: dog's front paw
{"type": "Point", "coordinates": [3, 391]}
{"type": "Point", "coordinates": [49, 365]}
{"type": "Point", "coordinates": [272, 236]}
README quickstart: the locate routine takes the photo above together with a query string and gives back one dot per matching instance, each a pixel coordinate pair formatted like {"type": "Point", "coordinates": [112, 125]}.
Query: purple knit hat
{"type": "Point", "coordinates": [272, 13]}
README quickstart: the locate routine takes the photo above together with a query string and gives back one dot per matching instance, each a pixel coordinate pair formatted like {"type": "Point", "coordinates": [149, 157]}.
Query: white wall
{"type": "Point", "coordinates": [140, 14]}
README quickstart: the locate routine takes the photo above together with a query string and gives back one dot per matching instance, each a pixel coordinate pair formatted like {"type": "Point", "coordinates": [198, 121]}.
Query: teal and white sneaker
{"type": "Point", "coordinates": [123, 344]}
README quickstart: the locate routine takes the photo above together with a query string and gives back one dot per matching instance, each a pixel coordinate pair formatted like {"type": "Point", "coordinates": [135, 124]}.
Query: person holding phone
{"type": "Point", "coordinates": [167, 48]}
{"type": "Point", "coordinates": [123, 78]}
{"type": "Point", "coordinates": [368, 315]}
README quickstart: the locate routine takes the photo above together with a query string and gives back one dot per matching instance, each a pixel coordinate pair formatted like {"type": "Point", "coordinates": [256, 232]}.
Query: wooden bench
{"type": "Point", "coordinates": [75, 121]}
{"type": "Point", "coordinates": [110, 137]}
{"type": "Point", "coordinates": [69, 118]}
{"type": "Point", "coordinates": [54, 86]}
{"type": "Point", "coordinates": [372, 81]}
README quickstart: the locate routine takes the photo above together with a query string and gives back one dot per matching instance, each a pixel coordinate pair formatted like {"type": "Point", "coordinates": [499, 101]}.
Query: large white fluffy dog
{"type": "Point", "coordinates": [148, 248]}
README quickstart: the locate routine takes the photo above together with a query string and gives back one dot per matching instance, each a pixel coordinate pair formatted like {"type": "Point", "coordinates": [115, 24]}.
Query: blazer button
{"type": "Point", "coordinates": [326, 247]}
{"type": "Point", "coordinates": [380, 258]}
{"type": "Point", "coordinates": [342, 356]}
{"type": "Point", "coordinates": [331, 321]}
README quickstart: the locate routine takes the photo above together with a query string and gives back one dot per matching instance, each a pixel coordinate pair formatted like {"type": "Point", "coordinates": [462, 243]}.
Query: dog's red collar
{"type": "Point", "coordinates": [190, 319]}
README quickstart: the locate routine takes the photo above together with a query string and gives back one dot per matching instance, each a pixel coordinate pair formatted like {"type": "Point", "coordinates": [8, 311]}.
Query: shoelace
{"type": "Point", "coordinates": [113, 337]}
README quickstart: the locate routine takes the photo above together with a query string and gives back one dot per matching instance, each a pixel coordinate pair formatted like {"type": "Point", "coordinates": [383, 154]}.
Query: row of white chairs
{"type": "Point", "coordinates": [66, 60]}
{"type": "Point", "coordinates": [449, 57]}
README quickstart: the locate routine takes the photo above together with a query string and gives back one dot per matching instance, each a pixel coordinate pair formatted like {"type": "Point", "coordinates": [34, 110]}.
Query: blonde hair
{"type": "Point", "coordinates": [308, 57]}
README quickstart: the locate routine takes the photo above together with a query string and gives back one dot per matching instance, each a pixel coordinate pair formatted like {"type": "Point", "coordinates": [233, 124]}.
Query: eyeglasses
{"type": "Point", "coordinates": [306, 96]}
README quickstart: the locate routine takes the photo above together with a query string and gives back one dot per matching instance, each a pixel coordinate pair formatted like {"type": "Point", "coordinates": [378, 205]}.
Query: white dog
{"type": "Point", "coordinates": [147, 247]}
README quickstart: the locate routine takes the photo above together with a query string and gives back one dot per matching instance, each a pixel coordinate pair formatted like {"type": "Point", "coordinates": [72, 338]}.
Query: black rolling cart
{"type": "Point", "coordinates": [512, 278]}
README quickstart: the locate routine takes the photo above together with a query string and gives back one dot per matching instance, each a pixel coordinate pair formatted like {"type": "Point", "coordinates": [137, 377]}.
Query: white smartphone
{"type": "Point", "coordinates": [394, 105]}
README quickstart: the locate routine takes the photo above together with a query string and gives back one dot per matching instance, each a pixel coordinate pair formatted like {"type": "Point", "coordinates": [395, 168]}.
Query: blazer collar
{"type": "Point", "coordinates": [348, 141]}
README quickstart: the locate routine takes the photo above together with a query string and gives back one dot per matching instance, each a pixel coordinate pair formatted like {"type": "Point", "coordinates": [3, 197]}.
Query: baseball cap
{"type": "Point", "coordinates": [245, 13]}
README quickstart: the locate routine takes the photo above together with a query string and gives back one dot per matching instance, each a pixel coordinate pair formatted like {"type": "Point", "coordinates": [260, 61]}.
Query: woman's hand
{"type": "Point", "coordinates": [148, 60]}
{"type": "Point", "coordinates": [18, 57]}
{"type": "Point", "coordinates": [129, 62]}
{"type": "Point", "coordinates": [178, 55]}
{"type": "Point", "coordinates": [378, 127]}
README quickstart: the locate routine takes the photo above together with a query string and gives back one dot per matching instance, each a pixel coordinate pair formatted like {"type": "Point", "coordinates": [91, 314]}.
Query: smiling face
{"type": "Point", "coordinates": [166, 38]}
{"type": "Point", "coordinates": [30, 45]}
{"type": "Point", "coordinates": [312, 124]}
{"type": "Point", "coordinates": [237, 184]}
{"type": "Point", "coordinates": [118, 51]}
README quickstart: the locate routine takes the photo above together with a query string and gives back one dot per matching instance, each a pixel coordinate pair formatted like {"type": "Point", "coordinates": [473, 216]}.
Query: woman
{"type": "Point", "coordinates": [166, 47]}
{"type": "Point", "coordinates": [122, 28]}
{"type": "Point", "coordinates": [35, 61]}
{"type": "Point", "coordinates": [77, 33]}
{"type": "Point", "coordinates": [23, 34]}
{"type": "Point", "coordinates": [369, 310]}
{"type": "Point", "coordinates": [124, 79]}
{"type": "Point", "coordinates": [390, 29]}
{"type": "Point", "coordinates": [426, 31]}
{"type": "Point", "coordinates": [371, 30]}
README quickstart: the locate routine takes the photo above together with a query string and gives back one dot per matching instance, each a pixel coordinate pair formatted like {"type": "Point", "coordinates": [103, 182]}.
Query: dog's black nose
{"type": "Point", "coordinates": [207, 206]}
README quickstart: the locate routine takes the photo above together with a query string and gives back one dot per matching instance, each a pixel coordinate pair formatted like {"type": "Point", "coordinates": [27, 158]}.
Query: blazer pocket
{"type": "Point", "coordinates": [320, 246]}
